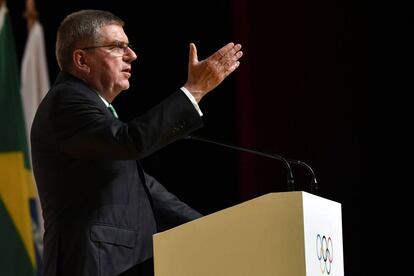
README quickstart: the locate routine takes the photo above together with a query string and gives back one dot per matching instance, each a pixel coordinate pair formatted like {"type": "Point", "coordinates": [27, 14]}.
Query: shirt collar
{"type": "Point", "coordinates": [103, 99]}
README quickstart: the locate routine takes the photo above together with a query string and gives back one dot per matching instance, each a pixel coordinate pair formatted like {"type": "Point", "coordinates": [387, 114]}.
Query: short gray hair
{"type": "Point", "coordinates": [80, 29]}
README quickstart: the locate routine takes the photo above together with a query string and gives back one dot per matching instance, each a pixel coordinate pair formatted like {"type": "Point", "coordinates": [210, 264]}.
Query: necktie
{"type": "Point", "coordinates": [112, 109]}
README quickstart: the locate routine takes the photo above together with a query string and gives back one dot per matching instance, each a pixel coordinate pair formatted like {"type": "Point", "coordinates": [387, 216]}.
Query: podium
{"type": "Point", "coordinates": [287, 234]}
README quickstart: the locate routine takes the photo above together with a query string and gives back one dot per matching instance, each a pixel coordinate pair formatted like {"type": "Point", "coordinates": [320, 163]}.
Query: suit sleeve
{"type": "Point", "coordinates": [170, 211]}
{"type": "Point", "coordinates": [85, 129]}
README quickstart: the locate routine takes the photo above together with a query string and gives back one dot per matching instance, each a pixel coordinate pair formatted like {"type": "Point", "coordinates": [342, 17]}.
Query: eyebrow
{"type": "Point", "coordinates": [119, 42]}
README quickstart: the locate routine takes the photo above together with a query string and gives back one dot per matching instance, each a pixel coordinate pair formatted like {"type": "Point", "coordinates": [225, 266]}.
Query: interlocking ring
{"type": "Point", "coordinates": [324, 251]}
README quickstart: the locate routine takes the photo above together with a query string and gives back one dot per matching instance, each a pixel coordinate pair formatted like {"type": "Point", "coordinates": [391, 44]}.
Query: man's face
{"type": "Point", "coordinates": [110, 62]}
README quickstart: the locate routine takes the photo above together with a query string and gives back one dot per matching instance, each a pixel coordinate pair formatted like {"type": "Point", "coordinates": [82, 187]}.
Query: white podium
{"type": "Point", "coordinates": [287, 234]}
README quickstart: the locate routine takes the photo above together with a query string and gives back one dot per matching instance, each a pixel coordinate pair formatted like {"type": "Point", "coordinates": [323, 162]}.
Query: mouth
{"type": "Point", "coordinates": [127, 71]}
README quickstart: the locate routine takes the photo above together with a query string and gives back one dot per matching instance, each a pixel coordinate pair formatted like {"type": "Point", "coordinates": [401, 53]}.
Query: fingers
{"type": "Point", "coordinates": [192, 54]}
{"type": "Point", "coordinates": [231, 58]}
{"type": "Point", "coordinates": [222, 52]}
{"type": "Point", "coordinates": [234, 54]}
{"type": "Point", "coordinates": [227, 55]}
{"type": "Point", "coordinates": [232, 51]}
{"type": "Point", "coordinates": [231, 68]}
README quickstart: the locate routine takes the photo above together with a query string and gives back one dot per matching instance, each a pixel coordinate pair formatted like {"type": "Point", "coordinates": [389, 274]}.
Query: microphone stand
{"type": "Point", "coordinates": [314, 184]}
{"type": "Point", "coordinates": [290, 179]}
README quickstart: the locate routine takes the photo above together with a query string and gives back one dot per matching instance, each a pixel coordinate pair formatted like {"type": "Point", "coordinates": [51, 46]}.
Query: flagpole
{"type": "Point", "coordinates": [30, 14]}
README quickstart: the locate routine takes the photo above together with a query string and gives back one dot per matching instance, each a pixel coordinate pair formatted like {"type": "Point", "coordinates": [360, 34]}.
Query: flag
{"type": "Point", "coordinates": [17, 254]}
{"type": "Point", "coordinates": [34, 74]}
{"type": "Point", "coordinates": [34, 86]}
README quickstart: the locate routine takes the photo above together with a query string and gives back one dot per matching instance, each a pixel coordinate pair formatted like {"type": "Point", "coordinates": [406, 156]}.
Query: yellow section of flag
{"type": "Point", "coordinates": [16, 190]}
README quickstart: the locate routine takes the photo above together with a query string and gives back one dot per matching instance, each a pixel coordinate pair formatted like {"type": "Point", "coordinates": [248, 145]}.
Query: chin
{"type": "Point", "coordinates": [124, 86]}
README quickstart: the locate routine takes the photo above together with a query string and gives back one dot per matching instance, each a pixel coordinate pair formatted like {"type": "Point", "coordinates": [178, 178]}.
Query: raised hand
{"type": "Point", "coordinates": [207, 74]}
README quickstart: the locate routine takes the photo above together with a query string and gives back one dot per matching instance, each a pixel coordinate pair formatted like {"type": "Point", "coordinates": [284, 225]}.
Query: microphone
{"type": "Point", "coordinates": [290, 180]}
{"type": "Point", "coordinates": [314, 184]}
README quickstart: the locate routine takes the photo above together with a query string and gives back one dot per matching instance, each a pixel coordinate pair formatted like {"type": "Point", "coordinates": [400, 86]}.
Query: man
{"type": "Point", "coordinates": [100, 208]}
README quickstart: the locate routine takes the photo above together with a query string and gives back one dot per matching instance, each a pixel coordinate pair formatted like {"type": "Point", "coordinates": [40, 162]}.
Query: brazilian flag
{"type": "Point", "coordinates": [17, 251]}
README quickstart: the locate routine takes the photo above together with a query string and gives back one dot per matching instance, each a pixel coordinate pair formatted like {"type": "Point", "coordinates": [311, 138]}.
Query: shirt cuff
{"type": "Point", "coordinates": [192, 99]}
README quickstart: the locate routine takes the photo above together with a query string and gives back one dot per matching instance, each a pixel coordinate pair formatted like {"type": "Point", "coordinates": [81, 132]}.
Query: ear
{"type": "Point", "coordinates": [80, 61]}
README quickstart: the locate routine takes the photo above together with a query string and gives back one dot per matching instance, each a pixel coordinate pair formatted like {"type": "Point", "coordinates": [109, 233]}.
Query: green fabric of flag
{"type": "Point", "coordinates": [17, 255]}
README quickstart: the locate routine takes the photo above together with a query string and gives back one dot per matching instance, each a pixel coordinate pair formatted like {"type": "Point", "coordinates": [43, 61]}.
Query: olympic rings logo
{"type": "Point", "coordinates": [324, 251]}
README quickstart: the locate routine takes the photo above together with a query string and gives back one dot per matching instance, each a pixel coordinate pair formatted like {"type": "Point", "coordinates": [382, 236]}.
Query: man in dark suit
{"type": "Point", "coordinates": [100, 208]}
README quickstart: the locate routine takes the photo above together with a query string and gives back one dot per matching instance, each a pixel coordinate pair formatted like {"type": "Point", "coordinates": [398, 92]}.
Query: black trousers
{"type": "Point", "coordinates": [143, 269]}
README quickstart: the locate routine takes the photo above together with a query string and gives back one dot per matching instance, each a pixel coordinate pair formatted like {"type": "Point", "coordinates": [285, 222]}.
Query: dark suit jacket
{"type": "Point", "coordinates": [100, 208]}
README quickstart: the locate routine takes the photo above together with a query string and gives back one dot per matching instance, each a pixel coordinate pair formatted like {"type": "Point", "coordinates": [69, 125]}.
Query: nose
{"type": "Point", "coordinates": [130, 55]}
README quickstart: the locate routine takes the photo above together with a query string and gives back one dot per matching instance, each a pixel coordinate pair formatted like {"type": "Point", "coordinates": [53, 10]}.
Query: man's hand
{"type": "Point", "coordinates": [205, 75]}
